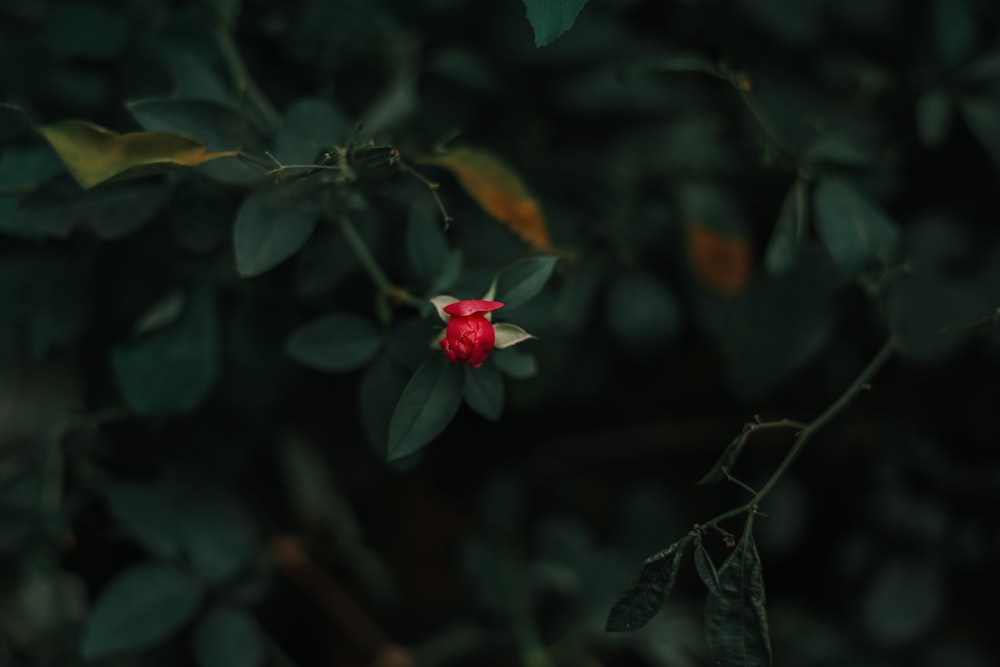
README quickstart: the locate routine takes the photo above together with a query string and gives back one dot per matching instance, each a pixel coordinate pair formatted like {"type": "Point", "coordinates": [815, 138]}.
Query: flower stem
{"type": "Point", "coordinates": [385, 286]}
{"type": "Point", "coordinates": [860, 384]}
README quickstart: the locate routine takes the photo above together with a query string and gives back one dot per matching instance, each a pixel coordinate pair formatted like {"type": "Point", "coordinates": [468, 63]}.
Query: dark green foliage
{"type": "Point", "coordinates": [141, 606]}
{"type": "Point", "coordinates": [428, 403]}
{"type": "Point", "coordinates": [735, 620]}
{"type": "Point", "coordinates": [229, 637]}
{"type": "Point", "coordinates": [228, 434]}
{"type": "Point", "coordinates": [649, 590]}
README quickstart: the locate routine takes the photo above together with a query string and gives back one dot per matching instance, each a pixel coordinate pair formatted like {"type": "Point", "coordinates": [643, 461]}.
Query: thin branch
{"type": "Point", "coordinates": [859, 385]}
{"type": "Point", "coordinates": [244, 84]}
{"type": "Point", "coordinates": [431, 185]}
{"type": "Point", "coordinates": [385, 286]}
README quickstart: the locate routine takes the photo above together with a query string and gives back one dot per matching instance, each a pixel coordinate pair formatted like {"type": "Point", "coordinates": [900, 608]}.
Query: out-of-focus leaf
{"type": "Point", "coordinates": [336, 343]}
{"type": "Point", "coordinates": [642, 312]}
{"type": "Point", "coordinates": [735, 619]}
{"type": "Point", "coordinates": [325, 262]}
{"type": "Point", "coordinates": [903, 601]}
{"type": "Point", "coordinates": [379, 392]}
{"type": "Point", "coordinates": [774, 327]}
{"type": "Point", "coordinates": [722, 262]}
{"type": "Point", "coordinates": [95, 154]}
{"type": "Point", "coordinates": [428, 404]}
{"type": "Point", "coordinates": [310, 126]}
{"type": "Point", "coordinates": [789, 231]}
{"type": "Point", "coordinates": [953, 30]}
{"type": "Point", "coordinates": [934, 113]}
{"type": "Point", "coordinates": [182, 515]}
{"type": "Point", "coordinates": [229, 637]}
{"type": "Point", "coordinates": [523, 279]}
{"type": "Point", "coordinates": [649, 590]}
{"type": "Point", "coordinates": [426, 245]}
{"type": "Point", "coordinates": [678, 62]}
{"type": "Point", "coordinates": [13, 122]}
{"type": "Point", "coordinates": [483, 391]}
{"type": "Point", "coordinates": [218, 127]}
{"type": "Point", "coordinates": [982, 115]}
{"type": "Point", "coordinates": [552, 18]}
{"type": "Point", "coordinates": [838, 148]}
{"type": "Point", "coordinates": [140, 607]}
{"type": "Point", "coordinates": [173, 369]}
{"type": "Point", "coordinates": [927, 313]}
{"type": "Point", "coordinates": [499, 190]}
{"type": "Point", "coordinates": [227, 11]}
{"type": "Point", "coordinates": [853, 229]}
{"type": "Point", "coordinates": [516, 363]}
{"type": "Point", "coordinates": [28, 165]}
{"type": "Point", "coordinates": [271, 226]}
{"type": "Point", "coordinates": [59, 207]}
{"type": "Point", "coordinates": [85, 30]}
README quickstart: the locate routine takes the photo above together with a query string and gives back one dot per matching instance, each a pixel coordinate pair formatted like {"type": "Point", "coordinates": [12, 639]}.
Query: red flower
{"type": "Point", "coordinates": [469, 338]}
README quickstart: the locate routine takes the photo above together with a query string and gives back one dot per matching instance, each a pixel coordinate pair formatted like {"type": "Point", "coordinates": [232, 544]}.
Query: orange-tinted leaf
{"type": "Point", "coordinates": [499, 190]}
{"type": "Point", "coordinates": [722, 262]}
{"type": "Point", "coordinates": [95, 154]}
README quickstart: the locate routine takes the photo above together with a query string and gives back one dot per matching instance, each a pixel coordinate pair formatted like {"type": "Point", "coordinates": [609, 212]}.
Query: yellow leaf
{"type": "Point", "coordinates": [95, 154]}
{"type": "Point", "coordinates": [499, 190]}
{"type": "Point", "coordinates": [721, 261]}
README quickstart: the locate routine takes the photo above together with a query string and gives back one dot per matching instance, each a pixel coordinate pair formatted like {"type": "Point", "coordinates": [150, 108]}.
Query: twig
{"type": "Point", "coordinates": [431, 185]}
{"type": "Point", "coordinates": [808, 430]}
{"type": "Point", "coordinates": [385, 286]}
{"type": "Point", "coordinates": [244, 84]}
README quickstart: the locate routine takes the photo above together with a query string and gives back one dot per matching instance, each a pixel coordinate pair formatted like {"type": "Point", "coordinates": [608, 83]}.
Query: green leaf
{"type": "Point", "coordinates": [839, 148]}
{"type": "Point", "coordinates": [182, 515]}
{"type": "Point", "coordinates": [173, 369]}
{"type": "Point", "coordinates": [934, 113]}
{"type": "Point", "coordinates": [790, 230]}
{"type": "Point", "coordinates": [854, 231]}
{"type": "Point", "coordinates": [982, 115]}
{"type": "Point", "coordinates": [380, 390]}
{"type": "Point", "coordinates": [13, 122]}
{"type": "Point", "coordinates": [85, 30]}
{"type": "Point", "coordinates": [59, 207]}
{"type": "Point", "coordinates": [642, 313]}
{"type": "Point", "coordinates": [515, 363]}
{"type": "Point", "coordinates": [449, 272]}
{"type": "Point", "coordinates": [523, 279]}
{"type": "Point", "coordinates": [483, 391]}
{"type": "Point", "coordinates": [735, 619]}
{"type": "Point", "coordinates": [921, 308]}
{"type": "Point", "coordinates": [552, 18]}
{"type": "Point", "coordinates": [310, 126]}
{"type": "Point", "coordinates": [677, 62]}
{"type": "Point", "coordinates": [229, 637]}
{"type": "Point", "coordinates": [336, 343]}
{"type": "Point", "coordinates": [428, 404]}
{"type": "Point", "coordinates": [271, 226]}
{"type": "Point", "coordinates": [426, 245]}
{"type": "Point", "coordinates": [218, 127]}
{"type": "Point", "coordinates": [227, 11]}
{"type": "Point", "coordinates": [140, 607]}
{"type": "Point", "coordinates": [706, 569]}
{"type": "Point", "coordinates": [726, 461]}
{"type": "Point", "coordinates": [649, 590]}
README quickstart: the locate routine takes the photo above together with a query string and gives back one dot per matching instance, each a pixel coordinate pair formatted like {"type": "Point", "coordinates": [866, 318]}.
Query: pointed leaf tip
{"type": "Point", "coordinates": [94, 154]}
{"type": "Point", "coordinates": [649, 590]}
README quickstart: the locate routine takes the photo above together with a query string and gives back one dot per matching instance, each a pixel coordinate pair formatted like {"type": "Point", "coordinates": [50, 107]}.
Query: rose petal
{"type": "Point", "coordinates": [471, 307]}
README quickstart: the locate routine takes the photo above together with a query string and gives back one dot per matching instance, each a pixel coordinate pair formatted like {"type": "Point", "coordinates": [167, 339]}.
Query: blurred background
{"type": "Point", "coordinates": [683, 153]}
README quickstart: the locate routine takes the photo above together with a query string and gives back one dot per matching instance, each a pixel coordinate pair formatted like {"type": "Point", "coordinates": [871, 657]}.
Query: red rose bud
{"type": "Point", "coordinates": [469, 337]}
